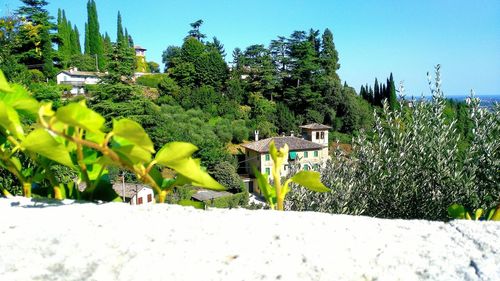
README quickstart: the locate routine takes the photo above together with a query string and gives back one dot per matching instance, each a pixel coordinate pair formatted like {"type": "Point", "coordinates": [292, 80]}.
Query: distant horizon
{"type": "Point", "coordinates": [373, 38]}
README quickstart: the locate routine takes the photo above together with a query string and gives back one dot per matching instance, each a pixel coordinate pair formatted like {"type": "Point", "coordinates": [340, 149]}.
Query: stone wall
{"type": "Point", "coordinates": [49, 240]}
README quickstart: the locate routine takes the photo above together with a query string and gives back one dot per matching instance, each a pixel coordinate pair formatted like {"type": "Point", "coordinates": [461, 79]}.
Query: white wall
{"type": "Point", "coordinates": [143, 193]}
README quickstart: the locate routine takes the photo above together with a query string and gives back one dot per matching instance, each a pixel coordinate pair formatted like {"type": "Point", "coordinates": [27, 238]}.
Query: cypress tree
{"type": "Point", "coordinates": [75, 41]}
{"type": "Point", "coordinates": [376, 95]}
{"type": "Point", "coordinates": [383, 93]}
{"type": "Point", "coordinates": [329, 56]}
{"type": "Point", "coordinates": [95, 39]}
{"type": "Point", "coordinates": [87, 45]}
{"type": "Point", "coordinates": [393, 100]}
{"type": "Point", "coordinates": [119, 29]}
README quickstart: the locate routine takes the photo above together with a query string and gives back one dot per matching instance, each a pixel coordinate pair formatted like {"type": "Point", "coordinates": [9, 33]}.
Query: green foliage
{"type": "Point", "coordinates": [48, 93]}
{"type": "Point", "coordinates": [225, 173]}
{"type": "Point", "coordinates": [409, 166]}
{"type": "Point", "coordinates": [73, 136]}
{"type": "Point", "coordinates": [34, 47]}
{"type": "Point", "coordinates": [275, 195]}
{"type": "Point", "coordinates": [457, 211]}
{"type": "Point", "coordinates": [152, 81]}
{"type": "Point", "coordinates": [93, 35]}
{"type": "Point", "coordinates": [232, 201]}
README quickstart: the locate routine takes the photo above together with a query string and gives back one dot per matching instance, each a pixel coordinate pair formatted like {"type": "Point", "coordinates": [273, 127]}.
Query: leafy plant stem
{"type": "Point", "coordinates": [277, 184]}
{"type": "Point", "coordinates": [27, 189]}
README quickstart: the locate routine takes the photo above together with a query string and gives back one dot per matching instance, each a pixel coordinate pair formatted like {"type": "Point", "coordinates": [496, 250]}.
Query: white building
{"type": "Point", "coordinates": [135, 194]}
{"type": "Point", "coordinates": [78, 79]}
{"type": "Point", "coordinates": [307, 153]}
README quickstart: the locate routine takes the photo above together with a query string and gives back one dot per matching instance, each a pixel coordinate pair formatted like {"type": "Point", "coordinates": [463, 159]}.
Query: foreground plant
{"type": "Point", "coordinates": [275, 194]}
{"type": "Point", "coordinates": [457, 211]}
{"type": "Point", "coordinates": [74, 136]}
{"type": "Point", "coordinates": [411, 165]}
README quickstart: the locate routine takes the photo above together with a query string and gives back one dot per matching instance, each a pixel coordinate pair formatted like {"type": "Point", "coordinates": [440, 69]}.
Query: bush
{"type": "Point", "coordinates": [233, 201]}
{"type": "Point", "coordinates": [411, 167]}
{"type": "Point", "coordinates": [152, 81]}
{"type": "Point", "coordinates": [226, 174]}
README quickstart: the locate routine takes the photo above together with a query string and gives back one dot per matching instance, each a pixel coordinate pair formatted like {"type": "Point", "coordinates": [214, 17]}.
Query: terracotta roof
{"type": "Point", "coordinates": [316, 126]}
{"type": "Point", "coordinates": [294, 143]}
{"type": "Point", "coordinates": [137, 47]}
{"type": "Point", "coordinates": [204, 195]}
{"type": "Point", "coordinates": [131, 189]}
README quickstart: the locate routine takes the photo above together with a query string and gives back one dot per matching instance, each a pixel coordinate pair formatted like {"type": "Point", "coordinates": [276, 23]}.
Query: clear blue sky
{"type": "Point", "coordinates": [373, 38]}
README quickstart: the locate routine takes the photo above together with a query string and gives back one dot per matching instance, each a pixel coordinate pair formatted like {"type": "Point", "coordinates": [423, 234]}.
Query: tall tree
{"type": "Point", "coordinates": [75, 41]}
{"type": "Point", "coordinates": [35, 48]}
{"type": "Point", "coordinates": [377, 97]}
{"type": "Point", "coordinates": [86, 42]}
{"type": "Point", "coordinates": [393, 100]}
{"type": "Point", "coordinates": [329, 56]}
{"type": "Point", "coordinates": [195, 31]}
{"type": "Point", "coordinates": [119, 29]}
{"type": "Point", "coordinates": [218, 46]}
{"type": "Point", "coordinates": [94, 36]}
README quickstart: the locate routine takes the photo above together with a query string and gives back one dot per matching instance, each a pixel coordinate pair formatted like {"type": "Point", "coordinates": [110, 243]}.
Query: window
{"type": "Point", "coordinates": [306, 154]}
{"type": "Point", "coordinates": [150, 198]}
{"type": "Point", "coordinates": [316, 167]}
{"type": "Point", "coordinates": [267, 157]}
{"type": "Point", "coordinates": [316, 153]}
{"type": "Point", "coordinates": [317, 135]}
{"type": "Point", "coordinates": [322, 135]}
{"type": "Point", "coordinates": [139, 200]}
{"type": "Point", "coordinates": [268, 171]}
{"type": "Point", "coordinates": [306, 167]}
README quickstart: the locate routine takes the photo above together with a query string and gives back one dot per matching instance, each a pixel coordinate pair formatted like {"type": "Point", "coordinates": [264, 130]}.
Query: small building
{"type": "Point", "coordinates": [134, 194]}
{"type": "Point", "coordinates": [140, 51]}
{"type": "Point", "coordinates": [141, 66]}
{"type": "Point", "coordinates": [78, 79]}
{"type": "Point", "coordinates": [307, 153]}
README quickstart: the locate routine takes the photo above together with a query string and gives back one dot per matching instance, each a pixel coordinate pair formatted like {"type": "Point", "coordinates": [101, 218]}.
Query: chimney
{"type": "Point", "coordinates": [256, 132]}
{"type": "Point", "coordinates": [291, 134]}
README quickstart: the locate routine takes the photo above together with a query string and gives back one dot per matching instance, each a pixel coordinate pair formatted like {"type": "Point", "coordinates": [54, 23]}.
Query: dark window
{"type": "Point", "coordinates": [139, 200]}
{"type": "Point", "coordinates": [317, 135]}
{"type": "Point", "coordinates": [150, 198]}
{"type": "Point", "coordinates": [322, 135]}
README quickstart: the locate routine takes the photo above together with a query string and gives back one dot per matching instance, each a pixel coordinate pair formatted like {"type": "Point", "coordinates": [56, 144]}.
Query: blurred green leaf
{"type": "Point", "coordinates": [4, 85]}
{"type": "Point", "coordinates": [495, 215]}
{"type": "Point", "coordinates": [478, 213]}
{"type": "Point", "coordinates": [78, 115]}
{"type": "Point", "coordinates": [456, 211]}
{"type": "Point", "coordinates": [9, 119]}
{"type": "Point", "coordinates": [268, 191]}
{"type": "Point", "coordinates": [133, 132]}
{"type": "Point", "coordinates": [41, 142]}
{"type": "Point", "coordinates": [20, 100]}
{"type": "Point", "coordinates": [174, 151]}
{"type": "Point", "coordinates": [310, 180]}
{"type": "Point", "coordinates": [191, 169]}
{"type": "Point", "coordinates": [16, 162]}
{"type": "Point", "coordinates": [130, 152]}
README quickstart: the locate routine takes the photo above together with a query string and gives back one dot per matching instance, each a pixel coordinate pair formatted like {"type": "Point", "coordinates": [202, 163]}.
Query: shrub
{"type": "Point", "coordinates": [411, 166]}
{"type": "Point", "coordinates": [233, 201]}
{"type": "Point", "coordinates": [152, 81]}
{"type": "Point", "coordinates": [226, 174]}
